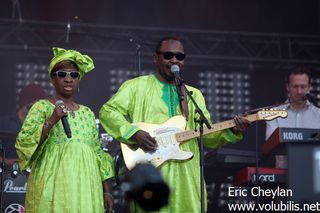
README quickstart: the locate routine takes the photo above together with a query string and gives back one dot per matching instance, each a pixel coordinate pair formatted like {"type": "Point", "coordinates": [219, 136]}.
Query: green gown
{"type": "Point", "coordinates": [66, 174]}
{"type": "Point", "coordinates": [146, 99]}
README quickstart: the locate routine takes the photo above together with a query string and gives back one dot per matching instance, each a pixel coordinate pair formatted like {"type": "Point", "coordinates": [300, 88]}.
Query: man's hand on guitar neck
{"type": "Point", "coordinates": [145, 141]}
{"type": "Point", "coordinates": [241, 123]}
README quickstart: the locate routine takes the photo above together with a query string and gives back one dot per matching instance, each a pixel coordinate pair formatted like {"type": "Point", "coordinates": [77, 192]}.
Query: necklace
{"type": "Point", "coordinates": [71, 111]}
{"type": "Point", "coordinates": [68, 110]}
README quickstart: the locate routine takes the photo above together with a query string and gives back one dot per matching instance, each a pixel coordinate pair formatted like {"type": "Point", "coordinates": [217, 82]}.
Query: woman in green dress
{"type": "Point", "coordinates": [68, 174]}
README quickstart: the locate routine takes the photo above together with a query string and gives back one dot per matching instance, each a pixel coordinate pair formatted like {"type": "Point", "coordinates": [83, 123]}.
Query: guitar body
{"type": "Point", "coordinates": [167, 149]}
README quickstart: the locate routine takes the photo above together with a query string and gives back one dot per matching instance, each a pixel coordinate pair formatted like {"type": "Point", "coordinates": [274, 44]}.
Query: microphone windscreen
{"type": "Point", "coordinates": [175, 68]}
{"type": "Point", "coordinates": [59, 103]}
{"type": "Point", "coordinates": [309, 95]}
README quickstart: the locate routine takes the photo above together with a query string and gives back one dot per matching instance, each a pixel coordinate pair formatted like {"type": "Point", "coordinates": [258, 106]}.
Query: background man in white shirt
{"type": "Point", "coordinates": [301, 112]}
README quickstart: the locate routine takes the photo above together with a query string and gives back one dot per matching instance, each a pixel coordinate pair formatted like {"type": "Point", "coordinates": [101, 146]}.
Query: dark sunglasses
{"type": "Point", "coordinates": [63, 74]}
{"type": "Point", "coordinates": [169, 55]}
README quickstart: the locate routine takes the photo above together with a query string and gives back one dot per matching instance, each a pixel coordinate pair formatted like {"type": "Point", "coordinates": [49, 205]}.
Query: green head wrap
{"type": "Point", "coordinates": [84, 62]}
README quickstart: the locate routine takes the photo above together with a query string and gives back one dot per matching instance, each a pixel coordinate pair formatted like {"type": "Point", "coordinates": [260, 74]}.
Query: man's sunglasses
{"type": "Point", "coordinates": [169, 55]}
{"type": "Point", "coordinates": [63, 74]}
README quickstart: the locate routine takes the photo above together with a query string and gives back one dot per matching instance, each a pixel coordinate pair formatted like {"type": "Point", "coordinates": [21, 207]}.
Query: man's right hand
{"type": "Point", "coordinates": [145, 141]}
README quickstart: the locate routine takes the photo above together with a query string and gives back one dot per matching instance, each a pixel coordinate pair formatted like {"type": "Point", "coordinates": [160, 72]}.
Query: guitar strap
{"type": "Point", "coordinates": [183, 101]}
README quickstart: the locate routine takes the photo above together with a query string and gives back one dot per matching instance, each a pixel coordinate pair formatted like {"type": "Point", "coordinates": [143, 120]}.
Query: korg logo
{"type": "Point", "coordinates": [293, 136]}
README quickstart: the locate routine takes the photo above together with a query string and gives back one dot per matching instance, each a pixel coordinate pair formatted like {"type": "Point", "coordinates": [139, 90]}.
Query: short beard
{"type": "Point", "coordinates": [165, 76]}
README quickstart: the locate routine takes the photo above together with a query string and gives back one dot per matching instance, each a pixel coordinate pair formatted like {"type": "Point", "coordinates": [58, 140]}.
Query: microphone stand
{"type": "Point", "coordinates": [257, 172]}
{"type": "Point", "coordinates": [179, 84]}
{"type": "Point", "coordinates": [138, 54]}
{"type": "Point", "coordinates": [202, 120]}
{"type": "Point", "coordinates": [68, 31]}
{"type": "Point", "coordinates": [2, 149]}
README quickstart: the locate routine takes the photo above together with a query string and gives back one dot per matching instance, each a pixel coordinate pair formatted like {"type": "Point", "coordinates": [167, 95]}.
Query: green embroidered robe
{"type": "Point", "coordinates": [146, 99]}
{"type": "Point", "coordinates": [66, 173]}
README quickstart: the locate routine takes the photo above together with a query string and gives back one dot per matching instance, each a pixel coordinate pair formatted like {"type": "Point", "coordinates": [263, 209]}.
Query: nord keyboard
{"type": "Point", "coordinates": [250, 175]}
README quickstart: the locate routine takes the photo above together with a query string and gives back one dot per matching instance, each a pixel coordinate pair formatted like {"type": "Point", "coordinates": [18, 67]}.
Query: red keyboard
{"type": "Point", "coordinates": [248, 176]}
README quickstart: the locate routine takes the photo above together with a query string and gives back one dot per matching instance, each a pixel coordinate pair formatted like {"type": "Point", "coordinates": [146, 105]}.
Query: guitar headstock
{"type": "Point", "coordinates": [270, 114]}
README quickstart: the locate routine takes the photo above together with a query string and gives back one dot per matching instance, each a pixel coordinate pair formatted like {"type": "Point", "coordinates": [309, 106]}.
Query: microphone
{"type": "Point", "coordinates": [64, 120]}
{"type": "Point", "coordinates": [135, 43]}
{"type": "Point", "coordinates": [310, 97]}
{"type": "Point", "coordinates": [175, 69]}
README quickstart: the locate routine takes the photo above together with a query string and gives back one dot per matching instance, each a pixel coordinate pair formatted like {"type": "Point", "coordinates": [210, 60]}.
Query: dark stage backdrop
{"type": "Point", "coordinates": [267, 87]}
{"type": "Point", "coordinates": [262, 38]}
{"type": "Point", "coordinates": [287, 16]}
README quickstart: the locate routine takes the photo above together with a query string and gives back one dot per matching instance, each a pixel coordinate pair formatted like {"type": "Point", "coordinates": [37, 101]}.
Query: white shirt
{"type": "Point", "coordinates": [308, 117]}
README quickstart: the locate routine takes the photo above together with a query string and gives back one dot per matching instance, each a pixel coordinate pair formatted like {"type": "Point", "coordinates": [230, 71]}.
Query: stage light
{"type": "Point", "coordinates": [231, 89]}
{"type": "Point", "coordinates": [32, 73]}
{"type": "Point", "coordinates": [120, 75]}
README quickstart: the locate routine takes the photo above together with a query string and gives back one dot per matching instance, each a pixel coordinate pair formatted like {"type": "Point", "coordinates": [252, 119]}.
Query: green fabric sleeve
{"type": "Point", "coordinates": [29, 136]}
{"type": "Point", "coordinates": [117, 111]}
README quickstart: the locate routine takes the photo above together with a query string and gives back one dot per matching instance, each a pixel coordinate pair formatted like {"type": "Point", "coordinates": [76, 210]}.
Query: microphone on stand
{"type": "Point", "coordinates": [136, 44]}
{"type": "Point", "coordinates": [138, 47]}
{"type": "Point", "coordinates": [175, 69]}
{"type": "Point", "coordinates": [64, 120]}
{"type": "Point", "coordinates": [312, 98]}
{"type": "Point", "coordinates": [68, 31]}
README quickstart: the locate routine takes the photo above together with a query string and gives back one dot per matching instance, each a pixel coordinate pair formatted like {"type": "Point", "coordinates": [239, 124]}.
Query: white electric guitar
{"type": "Point", "coordinates": [171, 133]}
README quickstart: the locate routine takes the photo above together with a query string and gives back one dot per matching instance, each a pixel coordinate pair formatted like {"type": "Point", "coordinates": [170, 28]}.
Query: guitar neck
{"type": "Point", "coordinates": [190, 134]}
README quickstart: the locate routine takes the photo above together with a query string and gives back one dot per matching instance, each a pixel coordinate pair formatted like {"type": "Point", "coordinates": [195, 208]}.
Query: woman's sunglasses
{"type": "Point", "coordinates": [169, 55]}
{"type": "Point", "coordinates": [63, 74]}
